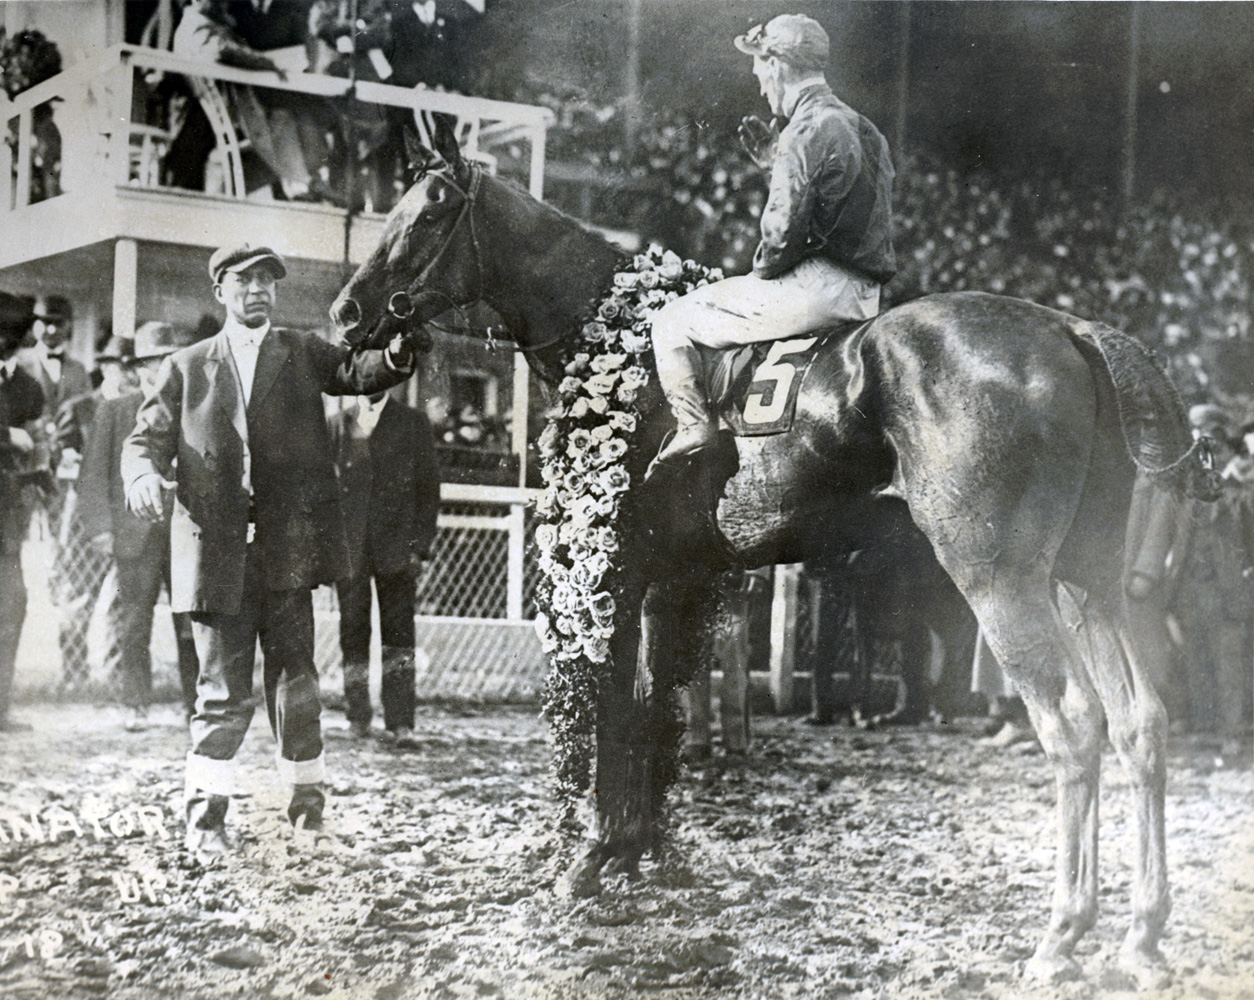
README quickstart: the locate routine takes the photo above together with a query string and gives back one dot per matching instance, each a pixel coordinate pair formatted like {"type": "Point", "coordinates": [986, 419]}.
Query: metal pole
{"type": "Point", "coordinates": [350, 140]}
{"type": "Point", "coordinates": [1130, 108]}
{"type": "Point", "coordinates": [631, 119]}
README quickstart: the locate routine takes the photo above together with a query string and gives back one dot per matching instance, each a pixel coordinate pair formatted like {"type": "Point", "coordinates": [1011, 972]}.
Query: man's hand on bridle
{"type": "Point", "coordinates": [759, 139]}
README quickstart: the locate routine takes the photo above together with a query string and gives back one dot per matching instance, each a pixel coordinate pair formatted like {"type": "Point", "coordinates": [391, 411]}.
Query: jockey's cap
{"type": "Point", "coordinates": [794, 38]}
{"type": "Point", "coordinates": [240, 257]}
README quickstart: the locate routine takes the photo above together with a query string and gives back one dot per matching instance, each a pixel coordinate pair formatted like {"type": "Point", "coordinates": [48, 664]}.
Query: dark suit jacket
{"type": "Point", "coordinates": [21, 401]}
{"type": "Point", "coordinates": [196, 413]}
{"type": "Point", "coordinates": [101, 492]}
{"type": "Point", "coordinates": [74, 379]}
{"type": "Point", "coordinates": [390, 486]}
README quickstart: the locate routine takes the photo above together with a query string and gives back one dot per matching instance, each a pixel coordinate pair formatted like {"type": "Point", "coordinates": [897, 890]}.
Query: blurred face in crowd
{"type": "Point", "coordinates": [770, 73]}
{"type": "Point", "coordinates": [112, 378]}
{"type": "Point", "coordinates": [248, 295]}
{"type": "Point", "coordinates": [1247, 439]}
{"type": "Point", "coordinates": [53, 332]}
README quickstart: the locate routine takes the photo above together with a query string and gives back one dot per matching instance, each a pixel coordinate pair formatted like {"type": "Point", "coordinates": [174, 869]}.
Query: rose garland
{"type": "Point", "coordinates": [583, 449]}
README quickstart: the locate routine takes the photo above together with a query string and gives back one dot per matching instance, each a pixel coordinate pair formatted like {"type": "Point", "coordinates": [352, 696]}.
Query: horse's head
{"type": "Point", "coordinates": [428, 259]}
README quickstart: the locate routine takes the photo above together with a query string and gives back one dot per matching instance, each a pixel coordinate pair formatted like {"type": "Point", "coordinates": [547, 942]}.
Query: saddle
{"type": "Point", "coordinates": [753, 387]}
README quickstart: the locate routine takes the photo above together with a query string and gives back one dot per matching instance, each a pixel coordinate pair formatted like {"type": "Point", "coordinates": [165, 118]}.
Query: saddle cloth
{"type": "Point", "coordinates": [754, 387]}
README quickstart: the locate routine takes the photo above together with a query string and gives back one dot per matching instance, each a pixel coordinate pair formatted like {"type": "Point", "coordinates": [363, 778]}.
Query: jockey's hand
{"type": "Point", "coordinates": [759, 139]}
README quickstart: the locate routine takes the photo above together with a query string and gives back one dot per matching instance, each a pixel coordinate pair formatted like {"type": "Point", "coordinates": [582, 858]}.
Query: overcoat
{"type": "Point", "coordinates": [101, 494]}
{"type": "Point", "coordinates": [196, 413]}
{"type": "Point", "coordinates": [390, 484]}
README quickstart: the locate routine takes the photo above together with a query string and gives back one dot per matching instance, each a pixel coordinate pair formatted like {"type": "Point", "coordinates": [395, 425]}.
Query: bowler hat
{"type": "Point", "coordinates": [240, 257]}
{"type": "Point", "coordinates": [794, 38]}
{"type": "Point", "coordinates": [155, 340]}
{"type": "Point", "coordinates": [57, 309]}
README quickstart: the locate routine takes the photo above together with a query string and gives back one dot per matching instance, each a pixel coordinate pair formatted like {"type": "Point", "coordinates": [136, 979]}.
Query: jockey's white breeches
{"type": "Point", "coordinates": [746, 309]}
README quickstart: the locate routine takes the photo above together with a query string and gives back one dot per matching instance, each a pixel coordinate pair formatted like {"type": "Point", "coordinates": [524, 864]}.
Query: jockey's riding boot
{"type": "Point", "coordinates": [696, 428]}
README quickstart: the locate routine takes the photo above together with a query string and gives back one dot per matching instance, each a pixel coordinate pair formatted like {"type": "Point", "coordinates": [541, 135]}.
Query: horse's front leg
{"type": "Point", "coordinates": [625, 826]}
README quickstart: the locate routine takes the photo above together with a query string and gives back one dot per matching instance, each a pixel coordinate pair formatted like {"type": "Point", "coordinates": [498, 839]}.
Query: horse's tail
{"type": "Point", "coordinates": [1151, 414]}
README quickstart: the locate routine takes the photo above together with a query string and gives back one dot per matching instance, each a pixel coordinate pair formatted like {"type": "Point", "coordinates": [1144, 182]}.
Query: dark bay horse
{"type": "Point", "coordinates": [990, 423]}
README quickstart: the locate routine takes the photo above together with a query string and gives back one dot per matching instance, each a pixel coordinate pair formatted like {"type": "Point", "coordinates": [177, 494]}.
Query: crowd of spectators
{"type": "Point", "coordinates": [1170, 268]}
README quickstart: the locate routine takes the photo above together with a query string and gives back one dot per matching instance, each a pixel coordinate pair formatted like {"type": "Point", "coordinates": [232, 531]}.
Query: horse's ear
{"type": "Point", "coordinates": [444, 140]}
{"type": "Point", "coordinates": [420, 157]}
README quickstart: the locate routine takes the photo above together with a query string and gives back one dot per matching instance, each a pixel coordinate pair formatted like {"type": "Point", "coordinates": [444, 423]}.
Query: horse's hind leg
{"type": "Point", "coordinates": [1025, 631]}
{"type": "Point", "coordinates": [1137, 724]}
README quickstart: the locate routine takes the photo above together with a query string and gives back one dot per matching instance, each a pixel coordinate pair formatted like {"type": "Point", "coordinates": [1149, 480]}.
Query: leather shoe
{"type": "Point", "coordinates": [688, 440]}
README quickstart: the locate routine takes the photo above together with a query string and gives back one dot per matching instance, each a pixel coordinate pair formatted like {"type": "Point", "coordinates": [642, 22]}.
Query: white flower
{"type": "Point", "coordinates": [602, 608]}
{"type": "Point", "coordinates": [548, 441]}
{"type": "Point", "coordinates": [601, 385]}
{"type": "Point", "coordinates": [579, 408]}
{"type": "Point", "coordinates": [612, 450]}
{"type": "Point", "coordinates": [625, 279]}
{"type": "Point", "coordinates": [575, 482]}
{"type": "Point", "coordinates": [671, 259]}
{"type": "Point", "coordinates": [595, 649]}
{"type": "Point", "coordinates": [621, 421]}
{"type": "Point", "coordinates": [626, 395]}
{"type": "Point", "coordinates": [580, 440]}
{"type": "Point", "coordinates": [606, 506]}
{"type": "Point", "coordinates": [650, 279]}
{"type": "Point", "coordinates": [566, 599]}
{"type": "Point", "coordinates": [671, 272]}
{"type": "Point", "coordinates": [546, 537]}
{"type": "Point", "coordinates": [595, 332]}
{"type": "Point", "coordinates": [569, 386]}
{"type": "Point", "coordinates": [598, 404]}
{"type": "Point", "coordinates": [634, 377]}
{"type": "Point", "coordinates": [614, 479]}
{"type": "Point", "coordinates": [548, 638]}
{"type": "Point", "coordinates": [578, 364]}
{"type": "Point", "coordinates": [546, 502]}
{"type": "Point", "coordinates": [602, 433]}
{"type": "Point", "coordinates": [608, 362]}
{"type": "Point", "coordinates": [604, 539]}
{"type": "Point", "coordinates": [635, 343]}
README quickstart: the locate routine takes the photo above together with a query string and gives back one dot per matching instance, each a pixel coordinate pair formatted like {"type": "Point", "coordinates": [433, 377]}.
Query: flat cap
{"type": "Point", "coordinates": [240, 257]}
{"type": "Point", "coordinates": [794, 38]}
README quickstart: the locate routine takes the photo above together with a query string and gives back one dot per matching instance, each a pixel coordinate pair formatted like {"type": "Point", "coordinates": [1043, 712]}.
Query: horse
{"type": "Point", "coordinates": [1002, 430]}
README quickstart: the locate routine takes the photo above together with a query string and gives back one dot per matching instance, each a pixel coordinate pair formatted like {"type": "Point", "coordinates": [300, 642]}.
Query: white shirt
{"type": "Point", "coordinates": [368, 414]}
{"type": "Point", "coordinates": [50, 364]}
{"type": "Point", "coordinates": [245, 343]}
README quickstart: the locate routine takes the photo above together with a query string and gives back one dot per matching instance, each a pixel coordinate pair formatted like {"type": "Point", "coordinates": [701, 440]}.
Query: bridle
{"type": "Point", "coordinates": [401, 304]}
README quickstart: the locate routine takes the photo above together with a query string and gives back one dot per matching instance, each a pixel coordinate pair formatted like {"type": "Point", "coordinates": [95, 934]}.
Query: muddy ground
{"type": "Point", "coordinates": [834, 863]}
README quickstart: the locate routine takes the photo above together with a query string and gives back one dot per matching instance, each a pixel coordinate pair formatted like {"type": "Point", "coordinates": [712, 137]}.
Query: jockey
{"type": "Point", "coordinates": [826, 244]}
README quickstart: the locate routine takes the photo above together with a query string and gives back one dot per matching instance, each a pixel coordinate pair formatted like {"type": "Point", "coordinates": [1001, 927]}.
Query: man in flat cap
{"type": "Point", "coordinates": [826, 245]}
{"type": "Point", "coordinates": [21, 402]}
{"type": "Point", "coordinates": [256, 523]}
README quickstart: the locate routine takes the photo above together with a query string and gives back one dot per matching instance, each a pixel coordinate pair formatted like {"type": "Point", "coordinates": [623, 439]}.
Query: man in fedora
{"type": "Point", "coordinates": [826, 231]}
{"type": "Point", "coordinates": [21, 402]}
{"type": "Point", "coordinates": [256, 523]}
{"type": "Point", "coordinates": [140, 547]}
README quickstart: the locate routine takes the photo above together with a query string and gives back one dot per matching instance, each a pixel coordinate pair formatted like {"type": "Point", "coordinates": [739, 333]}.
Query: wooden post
{"type": "Point", "coordinates": [24, 148]}
{"type": "Point", "coordinates": [903, 76]}
{"type": "Point", "coordinates": [784, 636]}
{"type": "Point", "coordinates": [125, 286]}
{"type": "Point", "coordinates": [514, 564]}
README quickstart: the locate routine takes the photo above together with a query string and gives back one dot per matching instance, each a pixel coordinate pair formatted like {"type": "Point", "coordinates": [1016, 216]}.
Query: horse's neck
{"type": "Point", "coordinates": [546, 272]}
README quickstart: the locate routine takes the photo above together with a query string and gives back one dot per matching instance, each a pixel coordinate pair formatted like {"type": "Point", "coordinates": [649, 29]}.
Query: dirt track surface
{"type": "Point", "coordinates": [834, 863]}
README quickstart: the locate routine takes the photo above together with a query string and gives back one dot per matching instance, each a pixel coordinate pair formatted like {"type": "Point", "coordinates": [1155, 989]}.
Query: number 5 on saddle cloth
{"type": "Point", "coordinates": [754, 387]}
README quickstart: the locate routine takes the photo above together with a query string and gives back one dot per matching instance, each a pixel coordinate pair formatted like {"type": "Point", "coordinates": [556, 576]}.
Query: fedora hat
{"type": "Point", "coordinates": [155, 340]}
{"type": "Point", "coordinates": [115, 349]}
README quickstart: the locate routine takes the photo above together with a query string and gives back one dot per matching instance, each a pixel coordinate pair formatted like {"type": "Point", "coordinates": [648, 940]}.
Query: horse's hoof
{"type": "Point", "coordinates": [581, 881]}
{"type": "Point", "coordinates": [1052, 969]}
{"type": "Point", "coordinates": [1147, 967]}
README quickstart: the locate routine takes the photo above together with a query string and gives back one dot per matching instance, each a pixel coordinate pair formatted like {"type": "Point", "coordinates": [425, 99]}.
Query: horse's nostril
{"type": "Point", "coordinates": [346, 313]}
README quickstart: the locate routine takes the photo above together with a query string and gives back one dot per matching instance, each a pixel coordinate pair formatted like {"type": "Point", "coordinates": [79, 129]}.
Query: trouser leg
{"type": "Point", "coordinates": [139, 583]}
{"type": "Point", "coordinates": [226, 648]}
{"type": "Point", "coordinates": [291, 683]}
{"type": "Point", "coordinates": [354, 600]}
{"type": "Point", "coordinates": [12, 615]}
{"type": "Point", "coordinates": [188, 661]}
{"type": "Point", "coordinates": [396, 619]}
